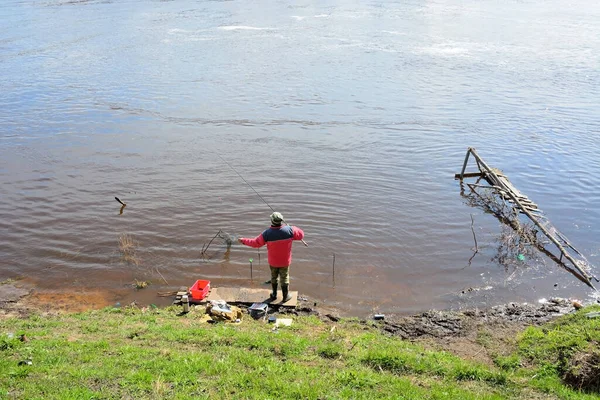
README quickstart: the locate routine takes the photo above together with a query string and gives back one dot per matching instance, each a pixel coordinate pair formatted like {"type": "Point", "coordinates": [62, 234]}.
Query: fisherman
{"type": "Point", "coordinates": [279, 248]}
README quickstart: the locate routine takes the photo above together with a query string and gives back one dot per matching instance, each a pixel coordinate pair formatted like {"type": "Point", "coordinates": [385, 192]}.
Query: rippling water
{"type": "Point", "coordinates": [351, 119]}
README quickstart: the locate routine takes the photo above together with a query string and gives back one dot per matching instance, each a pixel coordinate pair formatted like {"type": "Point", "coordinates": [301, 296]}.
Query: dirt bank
{"type": "Point", "coordinates": [21, 298]}
{"type": "Point", "coordinates": [476, 333]}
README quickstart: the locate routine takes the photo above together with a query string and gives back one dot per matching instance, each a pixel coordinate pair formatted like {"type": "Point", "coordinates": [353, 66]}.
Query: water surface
{"type": "Point", "coordinates": [350, 118]}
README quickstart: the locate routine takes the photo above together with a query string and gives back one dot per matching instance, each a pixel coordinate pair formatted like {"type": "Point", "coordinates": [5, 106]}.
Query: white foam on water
{"type": "Point", "coordinates": [188, 35]}
{"type": "Point", "coordinates": [243, 28]}
{"type": "Point", "coordinates": [298, 18]}
{"type": "Point", "coordinates": [444, 50]}
{"type": "Point", "coordinates": [377, 47]}
{"type": "Point", "coordinates": [321, 16]}
{"type": "Point", "coordinates": [394, 33]}
{"type": "Point", "coordinates": [176, 31]}
{"type": "Point", "coordinates": [200, 39]}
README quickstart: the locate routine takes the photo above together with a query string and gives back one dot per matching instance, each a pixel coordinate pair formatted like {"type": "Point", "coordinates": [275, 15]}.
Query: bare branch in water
{"type": "Point", "coordinates": [161, 275]}
{"type": "Point", "coordinates": [476, 246]}
{"type": "Point", "coordinates": [474, 237]}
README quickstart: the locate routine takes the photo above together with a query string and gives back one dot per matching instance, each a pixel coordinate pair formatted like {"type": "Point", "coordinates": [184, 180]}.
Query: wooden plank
{"type": "Point", "coordinates": [248, 296]}
{"type": "Point", "coordinates": [468, 175]}
{"type": "Point", "coordinates": [510, 186]}
{"type": "Point", "coordinates": [526, 204]}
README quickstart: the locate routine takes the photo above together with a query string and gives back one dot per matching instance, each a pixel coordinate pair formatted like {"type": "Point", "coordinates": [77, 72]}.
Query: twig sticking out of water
{"type": "Point", "coordinates": [475, 239]}
{"type": "Point", "coordinates": [123, 205]}
{"type": "Point", "coordinates": [161, 275]}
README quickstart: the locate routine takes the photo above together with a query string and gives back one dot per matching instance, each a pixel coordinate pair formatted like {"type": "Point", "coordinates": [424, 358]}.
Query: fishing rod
{"type": "Point", "coordinates": [258, 194]}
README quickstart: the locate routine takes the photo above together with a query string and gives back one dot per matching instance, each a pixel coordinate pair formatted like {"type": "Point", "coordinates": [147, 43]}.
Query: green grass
{"type": "Point", "coordinates": [129, 353]}
{"type": "Point", "coordinates": [552, 348]}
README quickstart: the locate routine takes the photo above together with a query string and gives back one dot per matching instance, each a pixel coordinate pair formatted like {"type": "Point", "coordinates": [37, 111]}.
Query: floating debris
{"type": "Point", "coordinates": [140, 284]}
{"type": "Point", "coordinates": [475, 289]}
{"type": "Point", "coordinates": [123, 205]}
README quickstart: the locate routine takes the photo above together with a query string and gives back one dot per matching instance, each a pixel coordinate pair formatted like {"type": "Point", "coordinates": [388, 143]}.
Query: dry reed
{"type": "Point", "coordinates": [127, 247]}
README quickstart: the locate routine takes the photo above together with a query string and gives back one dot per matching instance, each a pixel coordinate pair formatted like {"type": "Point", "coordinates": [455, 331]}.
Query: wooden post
{"type": "Point", "coordinates": [333, 267]}
{"type": "Point", "coordinates": [462, 173]}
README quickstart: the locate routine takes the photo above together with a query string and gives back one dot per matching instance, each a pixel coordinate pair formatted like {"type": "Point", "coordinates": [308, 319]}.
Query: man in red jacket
{"type": "Point", "coordinates": [279, 248]}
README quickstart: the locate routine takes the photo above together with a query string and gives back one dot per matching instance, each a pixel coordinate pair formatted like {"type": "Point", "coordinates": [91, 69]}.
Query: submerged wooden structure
{"type": "Point", "coordinates": [568, 256]}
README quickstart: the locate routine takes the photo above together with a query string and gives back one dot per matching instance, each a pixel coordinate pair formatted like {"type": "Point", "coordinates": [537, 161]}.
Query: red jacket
{"type": "Point", "coordinates": [279, 243]}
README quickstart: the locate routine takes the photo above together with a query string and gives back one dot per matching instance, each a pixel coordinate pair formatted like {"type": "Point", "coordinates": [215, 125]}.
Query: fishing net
{"type": "Point", "coordinates": [225, 238]}
{"type": "Point", "coordinates": [228, 238]}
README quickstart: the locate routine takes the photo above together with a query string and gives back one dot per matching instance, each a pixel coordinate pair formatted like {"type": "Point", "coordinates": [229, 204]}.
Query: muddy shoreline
{"type": "Point", "coordinates": [475, 334]}
{"type": "Point", "coordinates": [21, 299]}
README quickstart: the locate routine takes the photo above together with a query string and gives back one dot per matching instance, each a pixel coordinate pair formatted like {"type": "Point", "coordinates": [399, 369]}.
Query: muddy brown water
{"type": "Point", "coordinates": [349, 119]}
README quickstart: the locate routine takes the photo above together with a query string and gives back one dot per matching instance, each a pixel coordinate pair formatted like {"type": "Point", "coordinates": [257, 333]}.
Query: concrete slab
{"type": "Point", "coordinates": [249, 296]}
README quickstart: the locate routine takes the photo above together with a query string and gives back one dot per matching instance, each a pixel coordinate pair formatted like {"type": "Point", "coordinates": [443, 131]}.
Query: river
{"type": "Point", "coordinates": [351, 118]}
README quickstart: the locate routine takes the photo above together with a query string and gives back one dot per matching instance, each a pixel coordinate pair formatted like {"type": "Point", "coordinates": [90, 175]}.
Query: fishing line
{"type": "Point", "coordinates": [258, 194]}
{"type": "Point", "coordinates": [234, 170]}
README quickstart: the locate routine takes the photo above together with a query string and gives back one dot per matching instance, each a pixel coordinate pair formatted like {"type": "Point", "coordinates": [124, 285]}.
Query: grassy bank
{"type": "Point", "coordinates": [154, 353]}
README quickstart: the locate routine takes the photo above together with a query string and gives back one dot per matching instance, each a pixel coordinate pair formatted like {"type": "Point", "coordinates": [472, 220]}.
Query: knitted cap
{"type": "Point", "coordinates": [276, 218]}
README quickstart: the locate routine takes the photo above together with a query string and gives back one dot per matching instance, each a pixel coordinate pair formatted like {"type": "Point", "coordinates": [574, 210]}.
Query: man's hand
{"type": "Point", "coordinates": [239, 240]}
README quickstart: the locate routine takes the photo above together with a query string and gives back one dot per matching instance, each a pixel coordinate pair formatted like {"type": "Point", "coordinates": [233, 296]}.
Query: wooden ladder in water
{"type": "Point", "coordinates": [524, 205]}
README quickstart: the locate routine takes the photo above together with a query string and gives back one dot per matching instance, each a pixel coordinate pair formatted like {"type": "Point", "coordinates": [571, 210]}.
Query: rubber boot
{"type": "Point", "coordinates": [273, 295]}
{"type": "Point", "coordinates": [286, 295]}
